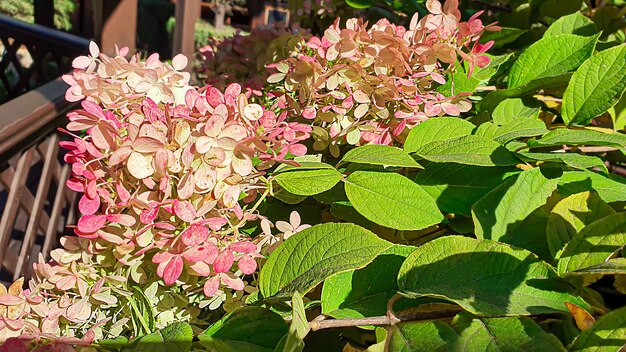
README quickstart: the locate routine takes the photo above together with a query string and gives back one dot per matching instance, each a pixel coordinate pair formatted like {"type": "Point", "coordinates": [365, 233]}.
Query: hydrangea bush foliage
{"type": "Point", "coordinates": [400, 178]}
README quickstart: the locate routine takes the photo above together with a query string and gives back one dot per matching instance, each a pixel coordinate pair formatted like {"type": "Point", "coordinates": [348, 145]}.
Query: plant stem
{"type": "Point", "coordinates": [319, 324]}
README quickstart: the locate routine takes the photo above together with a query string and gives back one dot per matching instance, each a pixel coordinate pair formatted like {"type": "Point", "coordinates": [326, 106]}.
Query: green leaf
{"type": "Point", "coordinates": [594, 244]}
{"type": "Point", "coordinates": [615, 266]}
{"type": "Point", "coordinates": [565, 136]}
{"type": "Point", "coordinates": [376, 154]}
{"type": "Point", "coordinates": [570, 215]}
{"type": "Point", "coordinates": [484, 277]}
{"type": "Point", "coordinates": [611, 188]}
{"type": "Point", "coordinates": [314, 254]}
{"type": "Point", "coordinates": [309, 179]}
{"type": "Point", "coordinates": [249, 329]}
{"type": "Point", "coordinates": [417, 336]}
{"type": "Point", "coordinates": [502, 334]}
{"type": "Point", "coordinates": [468, 150]}
{"type": "Point", "coordinates": [500, 213]}
{"type": "Point", "coordinates": [458, 82]}
{"type": "Point", "coordinates": [618, 114]}
{"type": "Point", "coordinates": [607, 334]}
{"type": "Point", "coordinates": [577, 161]}
{"type": "Point", "coordinates": [496, 67]}
{"type": "Point", "coordinates": [596, 86]}
{"type": "Point", "coordinates": [299, 327]}
{"type": "Point", "coordinates": [514, 109]}
{"type": "Point", "coordinates": [176, 337]}
{"type": "Point", "coordinates": [491, 100]}
{"type": "Point", "coordinates": [512, 130]}
{"type": "Point", "coordinates": [365, 292]}
{"type": "Point", "coordinates": [286, 197]}
{"type": "Point", "coordinates": [392, 200]}
{"type": "Point", "coordinates": [566, 53]}
{"type": "Point", "coordinates": [457, 187]}
{"type": "Point", "coordinates": [502, 37]}
{"type": "Point", "coordinates": [436, 129]}
{"type": "Point", "coordinates": [575, 23]}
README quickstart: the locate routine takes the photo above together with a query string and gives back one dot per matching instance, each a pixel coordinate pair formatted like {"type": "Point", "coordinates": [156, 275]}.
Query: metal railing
{"type": "Point", "coordinates": [31, 55]}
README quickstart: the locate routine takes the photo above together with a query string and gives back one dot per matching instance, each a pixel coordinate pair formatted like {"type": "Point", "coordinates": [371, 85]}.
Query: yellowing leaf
{"type": "Point", "coordinates": [583, 319]}
{"type": "Point", "coordinates": [139, 165]}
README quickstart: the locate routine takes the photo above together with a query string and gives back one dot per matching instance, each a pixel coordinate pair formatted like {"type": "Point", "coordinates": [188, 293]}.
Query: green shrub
{"type": "Point", "coordinates": [24, 10]}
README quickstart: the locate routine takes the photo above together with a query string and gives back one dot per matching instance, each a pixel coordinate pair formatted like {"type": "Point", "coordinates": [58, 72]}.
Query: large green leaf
{"type": "Point", "coordinates": [491, 101]}
{"type": "Point", "coordinates": [417, 336]}
{"type": "Point", "coordinates": [512, 130]}
{"type": "Point", "coordinates": [249, 329]}
{"type": "Point", "coordinates": [607, 334]}
{"type": "Point", "coordinates": [551, 56]}
{"type": "Point", "coordinates": [436, 129]}
{"type": "Point", "coordinates": [594, 244]}
{"type": "Point", "coordinates": [468, 150]}
{"type": "Point", "coordinates": [514, 109]}
{"type": "Point", "coordinates": [176, 337]}
{"type": "Point", "coordinates": [457, 187]}
{"type": "Point", "coordinates": [365, 292]}
{"type": "Point", "coordinates": [308, 179]}
{"type": "Point", "coordinates": [484, 277]}
{"type": "Point", "coordinates": [575, 160]}
{"type": "Point", "coordinates": [392, 200]}
{"type": "Point", "coordinates": [376, 154]}
{"type": "Point", "coordinates": [501, 212]}
{"type": "Point", "coordinates": [314, 254]}
{"type": "Point", "coordinates": [575, 23]}
{"type": "Point", "coordinates": [596, 86]}
{"type": "Point", "coordinates": [611, 188]}
{"type": "Point", "coordinates": [570, 215]}
{"type": "Point", "coordinates": [565, 136]}
{"type": "Point", "coordinates": [502, 334]}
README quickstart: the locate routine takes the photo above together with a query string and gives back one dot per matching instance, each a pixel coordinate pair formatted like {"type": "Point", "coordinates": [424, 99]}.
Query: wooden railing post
{"type": "Point", "coordinates": [187, 13]}
{"type": "Point", "coordinates": [116, 24]}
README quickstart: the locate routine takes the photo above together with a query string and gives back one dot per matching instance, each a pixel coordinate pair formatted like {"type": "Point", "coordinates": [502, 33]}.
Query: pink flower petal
{"type": "Point", "coordinates": [173, 270]}
{"type": "Point", "coordinates": [234, 283]}
{"type": "Point", "coordinates": [196, 254]}
{"type": "Point", "coordinates": [184, 210]}
{"type": "Point", "coordinates": [243, 247]}
{"type": "Point", "coordinates": [211, 286]}
{"type": "Point", "coordinates": [10, 300]}
{"type": "Point", "coordinates": [214, 97]}
{"type": "Point", "coordinates": [88, 206]}
{"type": "Point", "coordinates": [247, 264]}
{"type": "Point", "coordinates": [162, 257]}
{"type": "Point", "coordinates": [91, 223]}
{"type": "Point", "coordinates": [224, 261]}
{"type": "Point", "coordinates": [194, 235]}
{"type": "Point", "coordinates": [122, 219]}
{"type": "Point", "coordinates": [75, 185]}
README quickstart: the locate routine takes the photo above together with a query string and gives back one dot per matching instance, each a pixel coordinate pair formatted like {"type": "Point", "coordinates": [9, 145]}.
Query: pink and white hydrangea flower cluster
{"type": "Point", "coordinates": [358, 85]}
{"type": "Point", "coordinates": [168, 175]}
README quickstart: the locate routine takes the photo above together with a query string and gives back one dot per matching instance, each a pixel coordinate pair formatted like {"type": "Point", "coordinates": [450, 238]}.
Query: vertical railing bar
{"type": "Point", "coordinates": [27, 198]}
{"type": "Point", "coordinates": [57, 208]}
{"type": "Point", "coordinates": [56, 172]}
{"type": "Point", "coordinates": [40, 199]}
{"type": "Point", "coordinates": [13, 200]}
